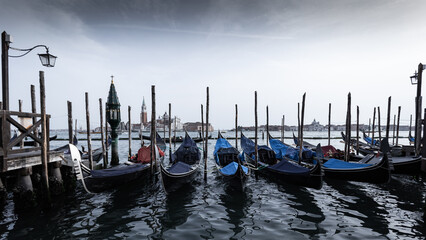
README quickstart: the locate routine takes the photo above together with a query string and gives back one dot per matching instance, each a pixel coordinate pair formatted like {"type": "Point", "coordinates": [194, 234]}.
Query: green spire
{"type": "Point", "coordinates": [112, 95]}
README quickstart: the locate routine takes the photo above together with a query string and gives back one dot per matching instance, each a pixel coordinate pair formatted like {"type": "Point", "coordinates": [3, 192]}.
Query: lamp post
{"type": "Point", "coordinates": [113, 117]}
{"type": "Point", "coordinates": [416, 79]}
{"type": "Point", "coordinates": [46, 59]}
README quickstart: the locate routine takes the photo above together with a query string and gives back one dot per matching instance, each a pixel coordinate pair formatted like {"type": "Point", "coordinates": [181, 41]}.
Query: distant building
{"type": "Point", "coordinates": [196, 126]}
{"type": "Point", "coordinates": [144, 116]}
{"type": "Point", "coordinates": [314, 126]}
{"type": "Point", "coordinates": [162, 123]}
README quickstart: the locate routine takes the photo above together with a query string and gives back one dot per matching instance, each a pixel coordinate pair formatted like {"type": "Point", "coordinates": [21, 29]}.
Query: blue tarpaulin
{"type": "Point", "coordinates": [339, 164]}
{"type": "Point", "coordinates": [282, 150]}
{"type": "Point", "coordinates": [287, 167]}
{"type": "Point", "coordinates": [232, 168]}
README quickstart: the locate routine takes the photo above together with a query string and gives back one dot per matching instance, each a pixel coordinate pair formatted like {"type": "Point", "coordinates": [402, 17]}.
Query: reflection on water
{"type": "Point", "coordinates": [176, 207]}
{"type": "Point", "coordinates": [207, 210]}
{"type": "Point", "coordinates": [236, 203]}
{"type": "Point", "coordinates": [357, 209]}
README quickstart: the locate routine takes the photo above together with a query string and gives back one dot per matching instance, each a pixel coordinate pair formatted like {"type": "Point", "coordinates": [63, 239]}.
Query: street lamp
{"type": "Point", "coordinates": [46, 59]}
{"type": "Point", "coordinates": [113, 117]}
{"type": "Point", "coordinates": [414, 78]}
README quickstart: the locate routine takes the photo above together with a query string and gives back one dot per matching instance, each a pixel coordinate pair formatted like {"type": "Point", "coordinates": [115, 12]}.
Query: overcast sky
{"type": "Point", "coordinates": [281, 49]}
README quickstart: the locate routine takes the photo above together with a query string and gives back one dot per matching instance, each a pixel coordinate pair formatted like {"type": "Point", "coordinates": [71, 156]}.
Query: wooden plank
{"type": "Point", "coordinates": [23, 150]}
{"type": "Point", "coordinates": [24, 114]}
{"type": "Point", "coordinates": [15, 161]}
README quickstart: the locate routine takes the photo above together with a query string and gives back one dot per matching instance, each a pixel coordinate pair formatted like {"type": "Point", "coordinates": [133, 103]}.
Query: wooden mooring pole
{"type": "Point", "coordinates": [202, 129]}
{"type": "Point", "coordinates": [388, 118]}
{"type": "Point", "coordinates": [207, 133]}
{"type": "Point", "coordinates": [170, 131]}
{"type": "Point", "coordinates": [282, 128]}
{"type": "Point", "coordinates": [373, 126]}
{"type": "Point", "coordinates": [267, 125]}
{"type": "Point", "coordinates": [393, 129]}
{"type": "Point", "coordinates": [348, 130]}
{"type": "Point", "coordinates": [20, 110]}
{"type": "Point", "coordinates": [255, 130]}
{"type": "Point", "coordinates": [397, 125]}
{"type": "Point", "coordinates": [34, 110]}
{"type": "Point", "coordinates": [44, 147]}
{"type": "Point", "coordinates": [89, 137]}
{"type": "Point", "coordinates": [379, 124]}
{"type": "Point", "coordinates": [130, 133]}
{"type": "Point", "coordinates": [357, 130]}
{"type": "Point", "coordinates": [301, 129]}
{"type": "Point", "coordinates": [298, 122]}
{"type": "Point", "coordinates": [411, 123]}
{"type": "Point", "coordinates": [174, 135]}
{"type": "Point", "coordinates": [153, 132]}
{"type": "Point", "coordinates": [236, 126]}
{"type": "Point", "coordinates": [102, 133]}
{"type": "Point", "coordinates": [70, 132]}
{"type": "Point", "coordinates": [329, 122]}
{"type": "Point", "coordinates": [106, 135]}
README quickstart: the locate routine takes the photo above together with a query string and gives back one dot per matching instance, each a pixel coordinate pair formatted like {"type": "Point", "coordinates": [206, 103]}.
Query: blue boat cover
{"type": "Point", "coordinates": [118, 171]}
{"type": "Point", "coordinates": [282, 150]}
{"type": "Point", "coordinates": [287, 167]}
{"type": "Point", "coordinates": [187, 152]}
{"type": "Point", "coordinates": [179, 167]}
{"type": "Point", "coordinates": [339, 164]}
{"type": "Point", "coordinates": [222, 143]}
{"type": "Point", "coordinates": [232, 168]}
{"type": "Point", "coordinates": [248, 145]}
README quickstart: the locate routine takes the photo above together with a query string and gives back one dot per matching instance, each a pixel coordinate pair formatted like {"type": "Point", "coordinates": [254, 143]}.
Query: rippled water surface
{"type": "Point", "coordinates": [206, 210]}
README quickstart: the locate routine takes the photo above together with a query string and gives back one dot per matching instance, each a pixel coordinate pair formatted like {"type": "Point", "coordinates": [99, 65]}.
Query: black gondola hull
{"type": "Point", "coordinates": [100, 184]}
{"type": "Point", "coordinates": [312, 180]}
{"type": "Point", "coordinates": [173, 182]}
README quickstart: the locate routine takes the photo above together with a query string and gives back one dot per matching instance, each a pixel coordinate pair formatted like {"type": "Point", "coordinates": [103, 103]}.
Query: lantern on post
{"type": "Point", "coordinates": [113, 117]}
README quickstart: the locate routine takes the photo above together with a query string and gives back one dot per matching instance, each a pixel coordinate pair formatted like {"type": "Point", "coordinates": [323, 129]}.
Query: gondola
{"type": "Point", "coordinates": [183, 166]}
{"type": "Point", "coordinates": [403, 158]}
{"type": "Point", "coordinates": [107, 179]}
{"type": "Point", "coordinates": [281, 170]}
{"type": "Point", "coordinates": [229, 166]}
{"type": "Point", "coordinates": [378, 172]}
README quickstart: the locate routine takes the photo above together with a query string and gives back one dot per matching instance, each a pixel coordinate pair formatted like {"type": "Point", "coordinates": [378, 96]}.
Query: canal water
{"type": "Point", "coordinates": [207, 210]}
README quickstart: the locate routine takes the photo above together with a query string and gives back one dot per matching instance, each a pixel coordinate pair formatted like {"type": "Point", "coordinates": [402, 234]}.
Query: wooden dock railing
{"type": "Point", "coordinates": [7, 145]}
